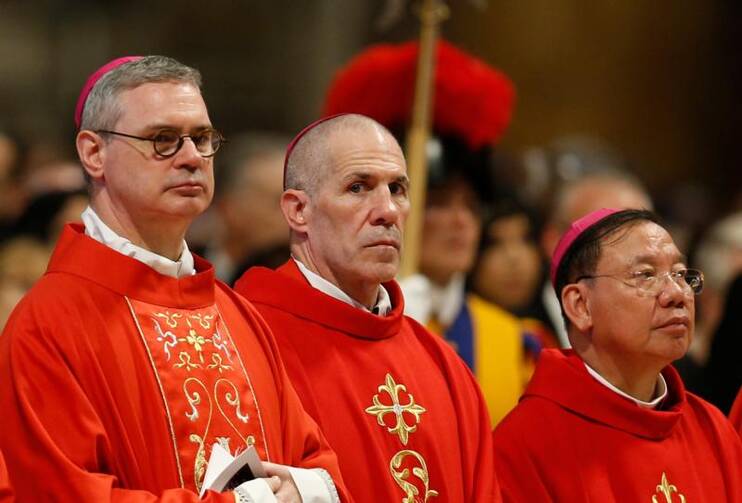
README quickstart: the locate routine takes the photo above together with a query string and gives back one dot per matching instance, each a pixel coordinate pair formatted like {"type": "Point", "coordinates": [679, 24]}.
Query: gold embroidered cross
{"type": "Point", "coordinates": [667, 489]}
{"type": "Point", "coordinates": [380, 410]}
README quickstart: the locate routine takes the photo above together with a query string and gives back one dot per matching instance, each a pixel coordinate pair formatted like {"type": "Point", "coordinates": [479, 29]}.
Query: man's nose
{"type": "Point", "coordinates": [188, 156]}
{"type": "Point", "coordinates": [386, 210]}
{"type": "Point", "coordinates": [673, 293]}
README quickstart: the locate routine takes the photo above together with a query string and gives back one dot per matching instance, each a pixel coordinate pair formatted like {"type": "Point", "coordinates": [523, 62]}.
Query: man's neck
{"type": "Point", "coordinates": [638, 380]}
{"type": "Point", "coordinates": [164, 240]}
{"type": "Point", "coordinates": [362, 292]}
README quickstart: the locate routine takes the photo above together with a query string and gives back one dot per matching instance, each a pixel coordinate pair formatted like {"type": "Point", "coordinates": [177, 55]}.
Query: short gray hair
{"type": "Point", "coordinates": [102, 110]}
{"type": "Point", "coordinates": [310, 157]}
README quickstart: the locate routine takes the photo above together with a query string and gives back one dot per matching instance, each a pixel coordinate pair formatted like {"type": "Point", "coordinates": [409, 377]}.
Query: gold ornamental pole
{"type": "Point", "coordinates": [432, 13]}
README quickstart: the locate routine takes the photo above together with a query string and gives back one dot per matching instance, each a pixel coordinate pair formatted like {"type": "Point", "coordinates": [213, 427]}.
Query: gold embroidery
{"type": "Point", "coordinates": [218, 364]}
{"type": "Point", "coordinates": [185, 361]}
{"type": "Point", "coordinates": [167, 338]}
{"type": "Point", "coordinates": [204, 321]}
{"type": "Point", "coordinates": [199, 467]}
{"type": "Point", "coordinates": [224, 442]}
{"type": "Point", "coordinates": [170, 319]}
{"type": "Point", "coordinates": [234, 401]}
{"type": "Point", "coordinates": [191, 350]}
{"type": "Point", "coordinates": [380, 410]}
{"type": "Point", "coordinates": [401, 477]}
{"type": "Point", "coordinates": [228, 338]}
{"type": "Point", "coordinates": [165, 403]}
{"type": "Point", "coordinates": [667, 489]}
{"type": "Point", "coordinates": [402, 430]}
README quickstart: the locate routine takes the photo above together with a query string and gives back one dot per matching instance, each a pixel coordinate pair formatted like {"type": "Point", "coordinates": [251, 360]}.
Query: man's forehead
{"type": "Point", "coordinates": [154, 102]}
{"type": "Point", "coordinates": [641, 243]}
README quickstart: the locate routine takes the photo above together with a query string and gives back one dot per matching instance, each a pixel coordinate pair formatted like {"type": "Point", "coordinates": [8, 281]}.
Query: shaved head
{"type": "Point", "coordinates": [312, 155]}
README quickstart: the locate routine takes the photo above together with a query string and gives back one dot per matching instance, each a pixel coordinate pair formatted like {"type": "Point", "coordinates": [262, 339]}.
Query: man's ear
{"type": "Point", "coordinates": [296, 209]}
{"type": "Point", "coordinates": [577, 306]}
{"type": "Point", "coordinates": [91, 153]}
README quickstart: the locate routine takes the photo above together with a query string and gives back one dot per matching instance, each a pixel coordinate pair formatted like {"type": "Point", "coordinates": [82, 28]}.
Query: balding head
{"type": "Point", "coordinates": [606, 189]}
{"type": "Point", "coordinates": [311, 156]}
{"type": "Point", "coordinates": [346, 203]}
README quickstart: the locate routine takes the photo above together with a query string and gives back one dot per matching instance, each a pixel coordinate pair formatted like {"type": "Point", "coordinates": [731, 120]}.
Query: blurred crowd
{"type": "Point", "coordinates": [505, 227]}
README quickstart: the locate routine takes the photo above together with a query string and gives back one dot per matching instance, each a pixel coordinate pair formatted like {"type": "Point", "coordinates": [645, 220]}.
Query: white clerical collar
{"type": "Point", "coordinates": [98, 230]}
{"type": "Point", "coordinates": [383, 302]}
{"type": "Point", "coordinates": [661, 389]}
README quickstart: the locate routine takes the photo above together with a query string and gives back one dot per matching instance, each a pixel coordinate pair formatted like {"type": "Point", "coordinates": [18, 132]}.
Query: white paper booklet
{"type": "Point", "coordinates": [225, 472]}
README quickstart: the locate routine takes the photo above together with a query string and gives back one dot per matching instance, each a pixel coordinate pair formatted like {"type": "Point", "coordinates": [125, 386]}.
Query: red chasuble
{"type": "Point", "coordinates": [571, 439]}
{"type": "Point", "coordinates": [116, 381]}
{"type": "Point", "coordinates": [6, 493]}
{"type": "Point", "coordinates": [396, 403]}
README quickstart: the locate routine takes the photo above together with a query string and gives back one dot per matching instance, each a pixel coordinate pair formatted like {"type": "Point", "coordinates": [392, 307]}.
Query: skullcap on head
{"type": "Point", "coordinates": [299, 136]}
{"type": "Point", "coordinates": [575, 230]}
{"type": "Point", "coordinates": [93, 79]}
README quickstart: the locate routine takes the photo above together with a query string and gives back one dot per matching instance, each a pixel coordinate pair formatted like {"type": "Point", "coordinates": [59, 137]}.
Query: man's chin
{"type": "Point", "coordinates": [384, 272]}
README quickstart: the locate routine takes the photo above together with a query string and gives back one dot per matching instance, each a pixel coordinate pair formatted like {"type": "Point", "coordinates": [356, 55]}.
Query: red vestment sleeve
{"type": "Point", "coordinates": [56, 436]}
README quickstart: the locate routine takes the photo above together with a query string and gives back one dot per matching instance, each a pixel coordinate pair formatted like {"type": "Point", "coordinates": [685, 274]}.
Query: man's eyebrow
{"type": "Point", "coordinates": [158, 126]}
{"type": "Point", "coordinates": [355, 175]}
{"type": "Point", "coordinates": [403, 180]}
{"type": "Point", "coordinates": [650, 258]}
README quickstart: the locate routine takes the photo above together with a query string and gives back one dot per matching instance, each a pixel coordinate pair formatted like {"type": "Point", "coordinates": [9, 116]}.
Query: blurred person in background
{"type": "Point", "coordinates": [26, 251]}
{"type": "Point", "coordinates": [12, 198]}
{"type": "Point", "coordinates": [721, 377]}
{"type": "Point", "coordinates": [587, 192]}
{"type": "Point", "coordinates": [510, 269]}
{"type": "Point", "coordinates": [23, 261]}
{"type": "Point", "coordinates": [472, 107]}
{"type": "Point", "coordinates": [249, 183]}
{"type": "Point", "coordinates": [719, 255]}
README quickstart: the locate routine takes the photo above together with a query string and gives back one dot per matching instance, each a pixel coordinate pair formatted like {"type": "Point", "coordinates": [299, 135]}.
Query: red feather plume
{"type": "Point", "coordinates": [472, 100]}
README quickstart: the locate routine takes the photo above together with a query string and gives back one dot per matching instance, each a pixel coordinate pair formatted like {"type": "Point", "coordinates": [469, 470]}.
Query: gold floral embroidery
{"type": "Point", "coordinates": [199, 468]}
{"type": "Point", "coordinates": [170, 319]}
{"type": "Point", "coordinates": [402, 477]}
{"type": "Point", "coordinates": [380, 410]}
{"type": "Point", "coordinates": [193, 350]}
{"type": "Point", "coordinates": [217, 363]}
{"type": "Point", "coordinates": [666, 489]}
{"type": "Point", "coordinates": [402, 430]}
{"type": "Point", "coordinates": [185, 362]}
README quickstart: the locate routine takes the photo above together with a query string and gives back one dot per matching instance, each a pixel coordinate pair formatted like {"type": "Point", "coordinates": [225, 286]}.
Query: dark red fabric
{"type": "Point", "coordinates": [735, 415]}
{"type": "Point", "coordinates": [84, 418]}
{"type": "Point", "coordinates": [573, 439]}
{"type": "Point", "coordinates": [338, 356]}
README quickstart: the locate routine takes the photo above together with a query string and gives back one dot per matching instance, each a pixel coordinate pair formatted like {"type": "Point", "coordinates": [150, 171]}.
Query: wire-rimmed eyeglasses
{"type": "Point", "coordinates": [168, 142]}
{"type": "Point", "coordinates": [650, 283]}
